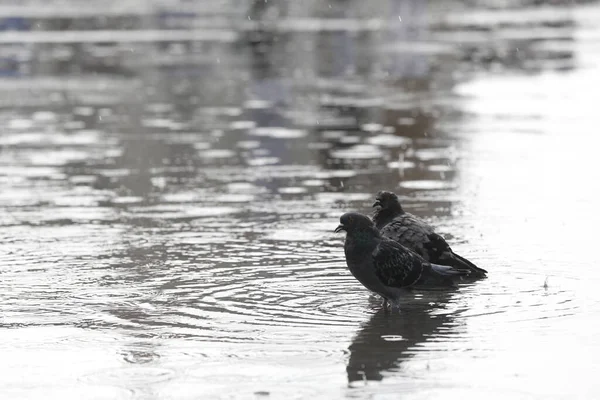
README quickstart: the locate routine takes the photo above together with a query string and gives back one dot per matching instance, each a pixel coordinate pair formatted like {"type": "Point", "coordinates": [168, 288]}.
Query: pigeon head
{"type": "Point", "coordinates": [387, 201]}
{"type": "Point", "coordinates": [353, 222]}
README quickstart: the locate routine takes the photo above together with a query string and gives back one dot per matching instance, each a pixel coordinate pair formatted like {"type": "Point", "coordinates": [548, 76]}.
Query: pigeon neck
{"type": "Point", "coordinates": [383, 216]}
{"type": "Point", "coordinates": [363, 238]}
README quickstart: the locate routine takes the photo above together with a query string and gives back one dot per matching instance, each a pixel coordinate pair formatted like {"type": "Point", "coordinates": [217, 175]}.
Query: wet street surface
{"type": "Point", "coordinates": [171, 176]}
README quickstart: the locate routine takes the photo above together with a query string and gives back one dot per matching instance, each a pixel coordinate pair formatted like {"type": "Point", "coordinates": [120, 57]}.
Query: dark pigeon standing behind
{"type": "Point", "coordinates": [386, 267]}
{"type": "Point", "coordinates": [414, 233]}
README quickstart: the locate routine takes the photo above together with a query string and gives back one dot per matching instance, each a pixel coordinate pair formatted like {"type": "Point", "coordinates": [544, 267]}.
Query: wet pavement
{"type": "Point", "coordinates": [172, 174]}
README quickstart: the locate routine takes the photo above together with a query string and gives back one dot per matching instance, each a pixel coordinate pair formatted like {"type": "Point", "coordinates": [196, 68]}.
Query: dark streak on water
{"type": "Point", "coordinates": [171, 178]}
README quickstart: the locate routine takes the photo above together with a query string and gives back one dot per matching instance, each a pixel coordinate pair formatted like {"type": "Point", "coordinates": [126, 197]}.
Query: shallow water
{"type": "Point", "coordinates": [172, 175]}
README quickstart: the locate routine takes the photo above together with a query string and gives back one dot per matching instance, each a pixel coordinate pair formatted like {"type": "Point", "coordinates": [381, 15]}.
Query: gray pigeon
{"type": "Point", "coordinates": [386, 267]}
{"type": "Point", "coordinates": [414, 233]}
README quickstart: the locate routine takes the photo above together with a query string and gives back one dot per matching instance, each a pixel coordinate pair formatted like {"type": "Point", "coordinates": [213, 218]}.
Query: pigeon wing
{"type": "Point", "coordinates": [410, 232]}
{"type": "Point", "coordinates": [395, 265]}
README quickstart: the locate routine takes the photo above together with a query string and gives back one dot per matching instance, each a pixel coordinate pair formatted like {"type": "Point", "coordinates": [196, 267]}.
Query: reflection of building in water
{"type": "Point", "coordinates": [408, 27]}
{"type": "Point", "coordinates": [509, 38]}
{"type": "Point", "coordinates": [276, 61]}
{"type": "Point", "coordinates": [14, 57]}
{"type": "Point", "coordinates": [408, 30]}
{"type": "Point", "coordinates": [318, 77]}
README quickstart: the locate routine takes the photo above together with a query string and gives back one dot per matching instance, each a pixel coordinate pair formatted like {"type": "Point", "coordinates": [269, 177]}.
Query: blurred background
{"type": "Point", "coordinates": [171, 173]}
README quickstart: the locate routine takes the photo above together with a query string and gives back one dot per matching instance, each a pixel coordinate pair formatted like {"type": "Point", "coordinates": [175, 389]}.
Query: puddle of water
{"type": "Point", "coordinates": [171, 180]}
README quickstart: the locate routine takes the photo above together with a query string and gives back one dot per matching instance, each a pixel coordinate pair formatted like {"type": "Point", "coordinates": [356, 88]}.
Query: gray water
{"type": "Point", "coordinates": [171, 175]}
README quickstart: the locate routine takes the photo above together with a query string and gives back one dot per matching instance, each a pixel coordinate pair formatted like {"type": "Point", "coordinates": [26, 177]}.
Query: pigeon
{"type": "Point", "coordinates": [414, 233]}
{"type": "Point", "coordinates": [386, 267]}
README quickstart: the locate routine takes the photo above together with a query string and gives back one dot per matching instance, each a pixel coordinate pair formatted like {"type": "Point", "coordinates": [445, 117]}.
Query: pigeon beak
{"type": "Point", "coordinates": [377, 204]}
{"type": "Point", "coordinates": [339, 228]}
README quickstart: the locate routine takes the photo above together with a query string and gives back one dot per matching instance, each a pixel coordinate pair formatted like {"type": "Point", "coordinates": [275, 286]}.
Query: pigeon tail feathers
{"type": "Point", "coordinates": [463, 263]}
{"type": "Point", "coordinates": [445, 270]}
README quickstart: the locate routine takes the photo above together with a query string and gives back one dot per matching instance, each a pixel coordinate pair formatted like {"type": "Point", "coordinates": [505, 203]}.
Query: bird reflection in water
{"type": "Point", "coordinates": [388, 339]}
